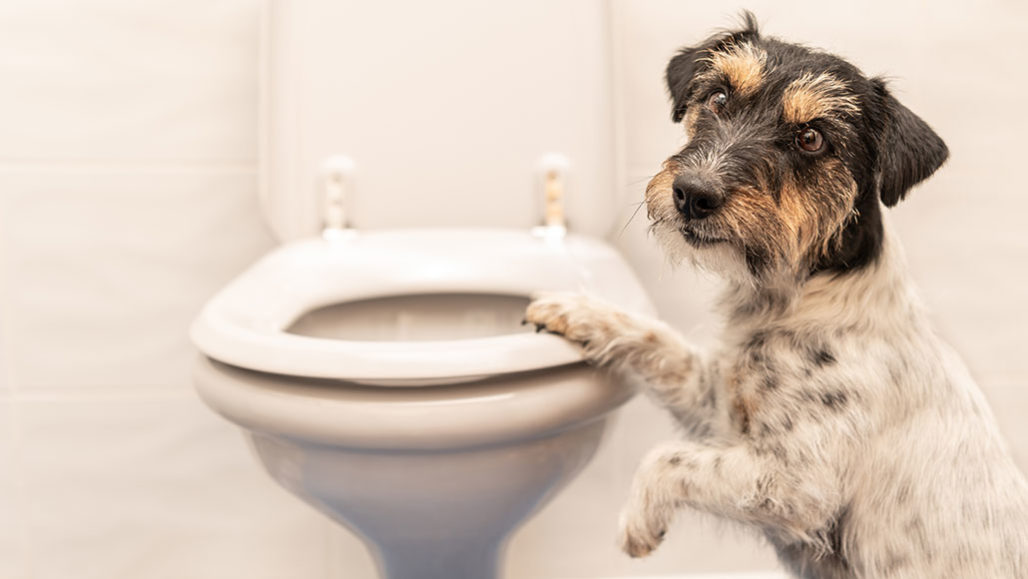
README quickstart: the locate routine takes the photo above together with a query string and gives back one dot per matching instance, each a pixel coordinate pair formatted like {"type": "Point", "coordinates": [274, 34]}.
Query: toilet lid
{"type": "Point", "coordinates": [245, 324]}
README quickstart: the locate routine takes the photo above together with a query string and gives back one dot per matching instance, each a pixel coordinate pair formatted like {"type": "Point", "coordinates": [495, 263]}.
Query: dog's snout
{"type": "Point", "coordinates": [696, 198]}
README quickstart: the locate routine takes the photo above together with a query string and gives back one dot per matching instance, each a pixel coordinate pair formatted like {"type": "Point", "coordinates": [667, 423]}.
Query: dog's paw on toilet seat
{"type": "Point", "coordinates": [577, 317]}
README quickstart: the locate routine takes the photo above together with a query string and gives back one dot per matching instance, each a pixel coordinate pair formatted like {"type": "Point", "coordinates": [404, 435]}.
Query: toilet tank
{"type": "Point", "coordinates": [446, 108]}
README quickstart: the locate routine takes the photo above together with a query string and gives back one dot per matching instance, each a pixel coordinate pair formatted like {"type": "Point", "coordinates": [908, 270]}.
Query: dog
{"type": "Point", "coordinates": [831, 418]}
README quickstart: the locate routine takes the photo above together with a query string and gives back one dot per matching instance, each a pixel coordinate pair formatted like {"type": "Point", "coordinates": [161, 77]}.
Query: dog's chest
{"type": "Point", "coordinates": [776, 378]}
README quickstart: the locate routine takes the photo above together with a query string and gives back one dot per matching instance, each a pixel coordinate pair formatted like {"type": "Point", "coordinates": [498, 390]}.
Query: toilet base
{"type": "Point", "coordinates": [432, 514]}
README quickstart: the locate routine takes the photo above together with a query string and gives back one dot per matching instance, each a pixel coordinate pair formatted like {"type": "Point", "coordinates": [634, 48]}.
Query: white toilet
{"type": "Point", "coordinates": [382, 375]}
{"type": "Point", "coordinates": [385, 378]}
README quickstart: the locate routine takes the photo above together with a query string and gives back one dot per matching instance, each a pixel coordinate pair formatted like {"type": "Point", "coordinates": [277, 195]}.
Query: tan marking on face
{"type": "Point", "coordinates": [810, 97]}
{"type": "Point", "coordinates": [660, 206]}
{"type": "Point", "coordinates": [796, 231]}
{"type": "Point", "coordinates": [799, 220]}
{"type": "Point", "coordinates": [816, 211]}
{"type": "Point", "coordinates": [805, 222]}
{"type": "Point", "coordinates": [752, 216]}
{"type": "Point", "coordinates": [742, 64]}
{"type": "Point", "coordinates": [691, 115]}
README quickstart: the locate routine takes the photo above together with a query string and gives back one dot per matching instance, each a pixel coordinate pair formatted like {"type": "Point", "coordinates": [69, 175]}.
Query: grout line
{"type": "Point", "coordinates": [78, 165]}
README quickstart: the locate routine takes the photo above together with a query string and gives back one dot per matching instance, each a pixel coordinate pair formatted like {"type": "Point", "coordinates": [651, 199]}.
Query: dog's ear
{"type": "Point", "coordinates": [684, 66]}
{"type": "Point", "coordinates": [909, 151]}
{"type": "Point", "coordinates": [680, 72]}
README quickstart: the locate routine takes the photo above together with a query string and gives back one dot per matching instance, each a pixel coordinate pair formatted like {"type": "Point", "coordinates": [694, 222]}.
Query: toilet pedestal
{"type": "Point", "coordinates": [441, 514]}
{"type": "Point", "coordinates": [433, 479]}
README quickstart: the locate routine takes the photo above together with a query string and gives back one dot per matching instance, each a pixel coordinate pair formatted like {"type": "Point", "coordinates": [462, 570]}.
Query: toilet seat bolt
{"type": "Point", "coordinates": [553, 171]}
{"type": "Point", "coordinates": [338, 183]}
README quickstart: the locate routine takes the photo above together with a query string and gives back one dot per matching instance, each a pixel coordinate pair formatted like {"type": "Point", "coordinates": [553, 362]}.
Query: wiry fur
{"type": "Point", "coordinates": [831, 418]}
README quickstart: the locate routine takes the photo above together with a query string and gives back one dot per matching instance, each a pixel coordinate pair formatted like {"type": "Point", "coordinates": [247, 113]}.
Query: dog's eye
{"type": "Point", "coordinates": [810, 140]}
{"type": "Point", "coordinates": [716, 101]}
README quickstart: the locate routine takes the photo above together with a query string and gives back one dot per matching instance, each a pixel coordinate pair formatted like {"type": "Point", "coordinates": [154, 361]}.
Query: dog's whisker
{"type": "Point", "coordinates": [630, 218]}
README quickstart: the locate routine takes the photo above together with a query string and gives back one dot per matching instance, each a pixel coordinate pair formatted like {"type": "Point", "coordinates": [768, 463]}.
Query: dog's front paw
{"type": "Point", "coordinates": [578, 318]}
{"type": "Point", "coordinates": [657, 490]}
{"type": "Point", "coordinates": [638, 533]}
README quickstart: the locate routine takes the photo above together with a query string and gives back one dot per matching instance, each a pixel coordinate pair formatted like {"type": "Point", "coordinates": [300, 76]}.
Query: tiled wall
{"type": "Point", "coordinates": [127, 196]}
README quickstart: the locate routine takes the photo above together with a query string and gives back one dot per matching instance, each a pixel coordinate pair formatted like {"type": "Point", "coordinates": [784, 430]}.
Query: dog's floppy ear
{"type": "Point", "coordinates": [680, 72]}
{"type": "Point", "coordinates": [909, 151]}
{"type": "Point", "coordinates": [684, 66]}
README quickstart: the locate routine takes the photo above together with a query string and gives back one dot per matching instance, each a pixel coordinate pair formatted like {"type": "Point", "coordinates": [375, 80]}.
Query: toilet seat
{"type": "Point", "coordinates": [244, 325]}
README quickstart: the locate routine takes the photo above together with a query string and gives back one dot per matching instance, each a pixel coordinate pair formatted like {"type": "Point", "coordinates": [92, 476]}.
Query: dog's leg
{"type": "Point", "coordinates": [731, 482]}
{"type": "Point", "coordinates": [673, 372]}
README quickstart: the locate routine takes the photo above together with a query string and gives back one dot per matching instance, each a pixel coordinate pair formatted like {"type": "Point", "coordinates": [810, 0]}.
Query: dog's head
{"type": "Point", "coordinates": [789, 152]}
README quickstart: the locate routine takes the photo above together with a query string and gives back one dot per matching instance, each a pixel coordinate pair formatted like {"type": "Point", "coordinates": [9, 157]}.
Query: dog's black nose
{"type": "Point", "coordinates": [695, 198]}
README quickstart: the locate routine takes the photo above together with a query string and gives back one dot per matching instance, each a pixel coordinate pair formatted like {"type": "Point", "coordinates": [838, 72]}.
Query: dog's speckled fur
{"type": "Point", "coordinates": [832, 419]}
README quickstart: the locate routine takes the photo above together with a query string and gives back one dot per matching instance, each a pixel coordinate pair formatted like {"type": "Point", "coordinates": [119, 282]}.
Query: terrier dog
{"type": "Point", "coordinates": [831, 419]}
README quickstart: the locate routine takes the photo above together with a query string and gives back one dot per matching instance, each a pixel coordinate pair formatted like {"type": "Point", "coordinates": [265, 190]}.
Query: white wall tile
{"type": "Point", "coordinates": [133, 81]}
{"type": "Point", "coordinates": [6, 387]}
{"type": "Point", "coordinates": [5, 313]}
{"type": "Point", "coordinates": [13, 562]}
{"type": "Point", "coordinates": [109, 268]}
{"type": "Point", "coordinates": [157, 487]}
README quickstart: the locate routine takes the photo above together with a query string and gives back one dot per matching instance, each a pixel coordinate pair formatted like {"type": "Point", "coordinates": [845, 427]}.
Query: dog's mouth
{"type": "Point", "coordinates": [699, 238]}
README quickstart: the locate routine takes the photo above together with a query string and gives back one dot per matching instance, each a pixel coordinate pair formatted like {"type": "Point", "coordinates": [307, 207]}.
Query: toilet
{"type": "Point", "coordinates": [385, 378]}
{"type": "Point", "coordinates": [379, 368]}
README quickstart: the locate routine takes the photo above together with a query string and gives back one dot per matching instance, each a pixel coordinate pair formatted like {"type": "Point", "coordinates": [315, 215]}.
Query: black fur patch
{"type": "Point", "coordinates": [834, 400]}
{"type": "Point", "coordinates": [822, 358]}
{"type": "Point", "coordinates": [684, 66]}
{"type": "Point", "coordinates": [909, 150]}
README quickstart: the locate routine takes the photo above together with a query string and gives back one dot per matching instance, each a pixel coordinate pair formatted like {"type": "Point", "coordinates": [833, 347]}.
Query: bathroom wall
{"type": "Point", "coordinates": [127, 196]}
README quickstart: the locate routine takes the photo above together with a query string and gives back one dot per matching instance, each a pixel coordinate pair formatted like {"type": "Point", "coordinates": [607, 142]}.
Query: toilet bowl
{"type": "Point", "coordinates": [384, 378]}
